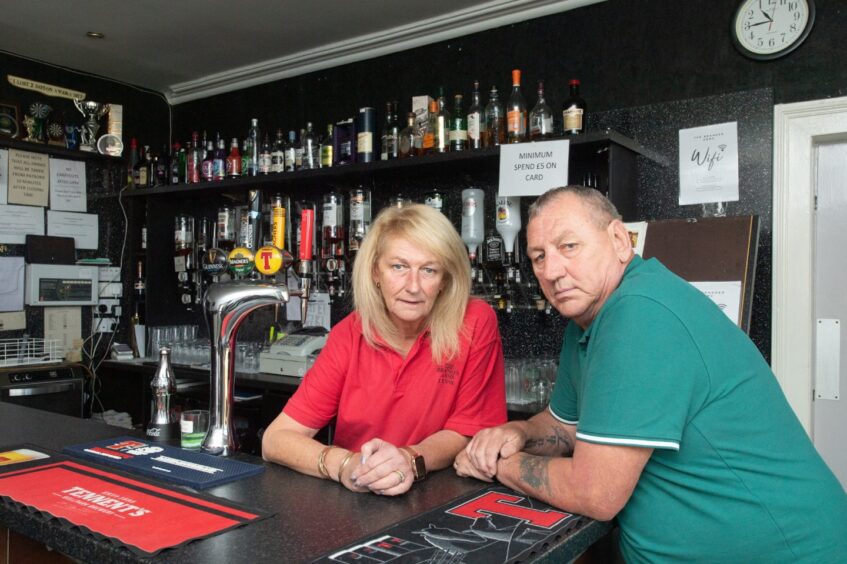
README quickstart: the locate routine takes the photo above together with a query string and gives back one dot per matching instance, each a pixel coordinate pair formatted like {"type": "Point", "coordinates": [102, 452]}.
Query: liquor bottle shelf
{"type": "Point", "coordinates": [56, 151]}
{"type": "Point", "coordinates": [381, 167]}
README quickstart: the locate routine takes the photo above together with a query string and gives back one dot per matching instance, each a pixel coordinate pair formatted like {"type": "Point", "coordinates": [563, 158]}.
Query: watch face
{"type": "Point", "coordinates": [767, 29]}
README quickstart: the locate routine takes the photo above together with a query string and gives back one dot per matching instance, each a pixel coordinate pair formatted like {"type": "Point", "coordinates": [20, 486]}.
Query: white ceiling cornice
{"type": "Point", "coordinates": [493, 14]}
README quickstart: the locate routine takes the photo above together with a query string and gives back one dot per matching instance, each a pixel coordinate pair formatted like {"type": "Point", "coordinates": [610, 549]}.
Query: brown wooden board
{"type": "Point", "coordinates": [715, 249]}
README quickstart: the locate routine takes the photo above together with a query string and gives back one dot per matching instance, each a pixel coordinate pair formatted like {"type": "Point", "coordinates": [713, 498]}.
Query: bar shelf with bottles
{"type": "Point", "coordinates": [584, 143]}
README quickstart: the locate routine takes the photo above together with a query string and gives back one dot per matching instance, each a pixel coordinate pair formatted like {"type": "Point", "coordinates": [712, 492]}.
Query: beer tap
{"type": "Point", "coordinates": [304, 266]}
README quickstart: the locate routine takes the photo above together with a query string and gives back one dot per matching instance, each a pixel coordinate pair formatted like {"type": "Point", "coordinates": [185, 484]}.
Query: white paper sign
{"type": "Point", "coordinates": [4, 176]}
{"type": "Point", "coordinates": [18, 221]}
{"type": "Point", "coordinates": [317, 315]}
{"type": "Point", "coordinates": [708, 164]}
{"type": "Point", "coordinates": [727, 296]}
{"type": "Point", "coordinates": [530, 169]}
{"type": "Point", "coordinates": [81, 226]}
{"type": "Point", "coordinates": [67, 185]}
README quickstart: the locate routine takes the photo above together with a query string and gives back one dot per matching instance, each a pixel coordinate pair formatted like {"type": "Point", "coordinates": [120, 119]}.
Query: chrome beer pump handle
{"type": "Point", "coordinates": [226, 305]}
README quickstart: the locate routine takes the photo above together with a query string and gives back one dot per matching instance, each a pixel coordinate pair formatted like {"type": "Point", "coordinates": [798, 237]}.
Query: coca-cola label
{"type": "Point", "coordinates": [162, 432]}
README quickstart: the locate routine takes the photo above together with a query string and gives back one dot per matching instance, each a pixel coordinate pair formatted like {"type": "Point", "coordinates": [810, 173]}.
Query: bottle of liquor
{"type": "Point", "coordinates": [541, 117]}
{"type": "Point", "coordinates": [365, 135]}
{"type": "Point", "coordinates": [493, 258]}
{"type": "Point", "coordinates": [226, 228]}
{"type": "Point", "coordinates": [409, 140]}
{"type": "Point", "coordinates": [163, 167]}
{"type": "Point", "coordinates": [332, 239]}
{"type": "Point", "coordinates": [516, 112]}
{"type": "Point", "coordinates": [132, 160]}
{"type": "Point", "coordinates": [195, 160]}
{"type": "Point", "coordinates": [390, 133]}
{"type": "Point", "coordinates": [184, 263]}
{"type": "Point", "coordinates": [152, 162]}
{"type": "Point", "coordinates": [442, 125]}
{"type": "Point", "coordinates": [508, 225]}
{"type": "Point", "coordinates": [140, 171]}
{"type": "Point", "coordinates": [233, 160]}
{"type": "Point", "coordinates": [163, 425]}
{"type": "Point", "coordinates": [253, 136]}
{"type": "Point", "coordinates": [290, 150]}
{"type": "Point", "coordinates": [298, 151]}
{"type": "Point", "coordinates": [311, 149]}
{"type": "Point", "coordinates": [139, 290]}
{"type": "Point", "coordinates": [207, 169]}
{"type": "Point", "coordinates": [458, 126]}
{"type": "Point", "coordinates": [175, 172]}
{"type": "Point", "coordinates": [219, 160]}
{"type": "Point", "coordinates": [476, 120]}
{"type": "Point", "coordinates": [435, 199]}
{"type": "Point", "coordinates": [428, 135]}
{"type": "Point", "coordinates": [264, 162]}
{"type": "Point", "coordinates": [278, 153]}
{"type": "Point", "coordinates": [573, 111]}
{"type": "Point", "coordinates": [495, 120]}
{"type": "Point", "coordinates": [473, 220]}
{"type": "Point", "coordinates": [326, 147]}
{"type": "Point", "coordinates": [360, 218]}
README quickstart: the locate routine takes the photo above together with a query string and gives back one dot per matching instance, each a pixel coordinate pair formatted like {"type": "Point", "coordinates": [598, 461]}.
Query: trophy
{"type": "Point", "coordinates": [92, 111]}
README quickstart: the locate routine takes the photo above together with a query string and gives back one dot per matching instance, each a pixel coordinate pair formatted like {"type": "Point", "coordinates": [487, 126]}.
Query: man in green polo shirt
{"type": "Point", "coordinates": [664, 413]}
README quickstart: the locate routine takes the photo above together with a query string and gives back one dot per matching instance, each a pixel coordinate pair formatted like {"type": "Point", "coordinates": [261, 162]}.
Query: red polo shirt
{"type": "Point", "coordinates": [375, 392]}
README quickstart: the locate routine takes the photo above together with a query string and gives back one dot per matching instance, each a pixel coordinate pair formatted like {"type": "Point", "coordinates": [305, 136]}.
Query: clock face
{"type": "Point", "coordinates": [767, 29]}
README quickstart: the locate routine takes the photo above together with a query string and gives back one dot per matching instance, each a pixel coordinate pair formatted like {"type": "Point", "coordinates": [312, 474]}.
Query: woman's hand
{"type": "Point", "coordinates": [384, 469]}
{"type": "Point", "coordinates": [347, 471]}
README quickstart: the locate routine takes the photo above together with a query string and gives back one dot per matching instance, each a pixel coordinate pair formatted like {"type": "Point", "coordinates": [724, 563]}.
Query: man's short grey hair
{"type": "Point", "coordinates": [603, 211]}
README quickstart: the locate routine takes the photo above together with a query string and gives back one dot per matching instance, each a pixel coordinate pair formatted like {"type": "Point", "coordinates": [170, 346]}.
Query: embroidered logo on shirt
{"type": "Point", "coordinates": [446, 374]}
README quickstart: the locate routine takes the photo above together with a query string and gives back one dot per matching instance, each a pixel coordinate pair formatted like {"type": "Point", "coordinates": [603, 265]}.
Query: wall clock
{"type": "Point", "coordinates": [769, 29]}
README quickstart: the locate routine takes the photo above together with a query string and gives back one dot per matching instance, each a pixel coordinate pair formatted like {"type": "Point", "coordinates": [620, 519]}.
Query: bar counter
{"type": "Point", "coordinates": [311, 516]}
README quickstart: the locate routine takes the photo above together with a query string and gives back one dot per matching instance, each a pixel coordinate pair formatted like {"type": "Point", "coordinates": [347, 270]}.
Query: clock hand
{"type": "Point", "coordinates": [764, 13]}
{"type": "Point", "coordinates": [760, 23]}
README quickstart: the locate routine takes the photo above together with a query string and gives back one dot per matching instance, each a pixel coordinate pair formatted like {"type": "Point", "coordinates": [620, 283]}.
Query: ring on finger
{"type": "Point", "coordinates": [400, 475]}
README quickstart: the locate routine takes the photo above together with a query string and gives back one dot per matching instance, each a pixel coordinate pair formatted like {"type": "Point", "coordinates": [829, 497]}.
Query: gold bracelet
{"type": "Point", "coordinates": [322, 462]}
{"type": "Point", "coordinates": [344, 463]}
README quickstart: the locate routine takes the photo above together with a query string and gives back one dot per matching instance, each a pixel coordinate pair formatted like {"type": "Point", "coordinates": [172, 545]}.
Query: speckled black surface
{"type": "Point", "coordinates": [658, 127]}
{"type": "Point", "coordinates": [311, 516]}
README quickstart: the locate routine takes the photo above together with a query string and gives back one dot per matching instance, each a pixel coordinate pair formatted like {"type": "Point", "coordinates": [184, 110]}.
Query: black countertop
{"type": "Point", "coordinates": [311, 516]}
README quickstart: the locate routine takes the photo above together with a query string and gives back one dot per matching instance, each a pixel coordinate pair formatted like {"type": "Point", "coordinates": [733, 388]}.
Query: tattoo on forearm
{"type": "Point", "coordinates": [554, 443]}
{"type": "Point", "coordinates": [534, 472]}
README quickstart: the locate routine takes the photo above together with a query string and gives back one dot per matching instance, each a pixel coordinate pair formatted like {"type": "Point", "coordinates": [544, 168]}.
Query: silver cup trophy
{"type": "Point", "coordinates": [92, 111]}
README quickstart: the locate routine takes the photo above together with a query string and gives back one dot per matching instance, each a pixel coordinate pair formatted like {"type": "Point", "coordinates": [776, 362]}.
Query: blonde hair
{"type": "Point", "coordinates": [429, 230]}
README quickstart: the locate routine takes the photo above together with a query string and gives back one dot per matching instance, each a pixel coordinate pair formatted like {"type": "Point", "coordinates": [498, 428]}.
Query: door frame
{"type": "Point", "coordinates": [798, 127]}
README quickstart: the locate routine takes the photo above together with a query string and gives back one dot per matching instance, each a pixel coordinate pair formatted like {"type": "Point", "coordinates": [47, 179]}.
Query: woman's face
{"type": "Point", "coordinates": [410, 280]}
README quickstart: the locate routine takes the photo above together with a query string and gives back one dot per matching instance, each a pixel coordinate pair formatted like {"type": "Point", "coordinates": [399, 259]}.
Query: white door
{"type": "Point", "coordinates": [830, 308]}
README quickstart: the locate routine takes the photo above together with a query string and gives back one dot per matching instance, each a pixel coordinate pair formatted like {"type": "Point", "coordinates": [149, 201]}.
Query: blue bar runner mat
{"type": "Point", "coordinates": [164, 462]}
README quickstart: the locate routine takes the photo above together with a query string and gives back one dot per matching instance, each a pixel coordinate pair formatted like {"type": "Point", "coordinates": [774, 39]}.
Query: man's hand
{"type": "Point", "coordinates": [465, 469]}
{"type": "Point", "coordinates": [384, 469]}
{"type": "Point", "coordinates": [489, 445]}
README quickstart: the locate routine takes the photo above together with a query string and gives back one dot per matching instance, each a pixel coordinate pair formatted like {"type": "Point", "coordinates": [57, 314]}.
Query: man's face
{"type": "Point", "coordinates": [578, 262]}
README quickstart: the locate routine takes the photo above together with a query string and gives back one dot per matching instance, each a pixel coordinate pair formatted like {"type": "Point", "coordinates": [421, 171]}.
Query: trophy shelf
{"type": "Point", "coordinates": [452, 160]}
{"type": "Point", "coordinates": [56, 151]}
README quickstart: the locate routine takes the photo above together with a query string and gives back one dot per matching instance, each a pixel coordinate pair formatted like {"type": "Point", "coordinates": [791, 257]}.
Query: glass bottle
{"type": "Point", "coordinates": [163, 425]}
{"type": "Point", "coordinates": [516, 112]}
{"type": "Point", "coordinates": [163, 168]}
{"type": "Point", "coordinates": [390, 133]}
{"type": "Point", "coordinates": [311, 149]}
{"type": "Point", "coordinates": [290, 152]}
{"type": "Point", "coordinates": [435, 199]}
{"type": "Point", "coordinates": [226, 228]}
{"type": "Point", "coordinates": [195, 160]}
{"type": "Point", "coordinates": [360, 218]}
{"type": "Point", "coordinates": [573, 111]}
{"type": "Point", "coordinates": [508, 225]}
{"type": "Point", "coordinates": [139, 290]}
{"type": "Point", "coordinates": [495, 120]}
{"type": "Point", "coordinates": [473, 220]}
{"type": "Point", "coordinates": [409, 142]}
{"type": "Point", "coordinates": [175, 165]}
{"type": "Point", "coordinates": [233, 160]}
{"type": "Point", "coordinates": [476, 120]}
{"type": "Point", "coordinates": [219, 162]}
{"type": "Point", "coordinates": [428, 141]}
{"type": "Point", "coordinates": [253, 154]}
{"type": "Point", "coordinates": [264, 161]}
{"type": "Point", "coordinates": [139, 172]}
{"type": "Point", "coordinates": [541, 117]}
{"type": "Point", "coordinates": [132, 160]}
{"type": "Point", "coordinates": [458, 126]}
{"type": "Point", "coordinates": [208, 163]}
{"type": "Point", "coordinates": [326, 147]}
{"type": "Point", "coordinates": [442, 125]}
{"type": "Point", "coordinates": [298, 151]}
{"type": "Point", "coordinates": [184, 263]}
{"type": "Point", "coordinates": [277, 154]}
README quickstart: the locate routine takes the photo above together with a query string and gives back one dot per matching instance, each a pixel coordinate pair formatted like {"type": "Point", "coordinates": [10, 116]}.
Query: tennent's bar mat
{"type": "Point", "coordinates": [138, 515]}
{"type": "Point", "coordinates": [488, 526]}
{"type": "Point", "coordinates": [165, 462]}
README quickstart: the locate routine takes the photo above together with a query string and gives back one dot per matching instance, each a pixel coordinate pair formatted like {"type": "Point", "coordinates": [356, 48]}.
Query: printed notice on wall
{"type": "Point", "coordinates": [4, 175]}
{"type": "Point", "coordinates": [726, 295]}
{"type": "Point", "coordinates": [18, 221]}
{"type": "Point", "coordinates": [83, 227]}
{"type": "Point", "coordinates": [530, 169]}
{"type": "Point", "coordinates": [708, 164]}
{"type": "Point", "coordinates": [29, 178]}
{"type": "Point", "coordinates": [67, 185]}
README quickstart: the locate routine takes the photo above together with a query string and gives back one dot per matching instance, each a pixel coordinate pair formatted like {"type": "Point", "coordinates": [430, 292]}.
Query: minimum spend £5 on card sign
{"type": "Point", "coordinates": [530, 169]}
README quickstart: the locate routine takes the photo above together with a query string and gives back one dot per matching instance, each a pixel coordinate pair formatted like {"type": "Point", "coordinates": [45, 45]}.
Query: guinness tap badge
{"type": "Point", "coordinates": [214, 262]}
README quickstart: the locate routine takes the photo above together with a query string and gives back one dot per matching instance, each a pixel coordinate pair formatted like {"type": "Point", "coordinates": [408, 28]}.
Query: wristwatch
{"type": "Point", "coordinates": [417, 462]}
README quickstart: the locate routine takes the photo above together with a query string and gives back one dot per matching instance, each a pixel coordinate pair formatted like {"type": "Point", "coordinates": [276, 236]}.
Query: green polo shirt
{"type": "Point", "coordinates": [733, 476]}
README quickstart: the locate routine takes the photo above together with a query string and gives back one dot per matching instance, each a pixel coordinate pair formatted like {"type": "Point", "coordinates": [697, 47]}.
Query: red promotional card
{"type": "Point", "coordinates": [144, 517]}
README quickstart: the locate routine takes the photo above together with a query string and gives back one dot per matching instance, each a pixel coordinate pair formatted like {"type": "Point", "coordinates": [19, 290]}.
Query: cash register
{"type": "Point", "coordinates": [293, 354]}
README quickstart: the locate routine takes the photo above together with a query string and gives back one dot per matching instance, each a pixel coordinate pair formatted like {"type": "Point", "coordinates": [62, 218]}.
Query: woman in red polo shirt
{"type": "Point", "coordinates": [409, 376]}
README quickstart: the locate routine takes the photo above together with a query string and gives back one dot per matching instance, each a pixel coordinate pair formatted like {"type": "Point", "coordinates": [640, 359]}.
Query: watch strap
{"type": "Point", "coordinates": [416, 460]}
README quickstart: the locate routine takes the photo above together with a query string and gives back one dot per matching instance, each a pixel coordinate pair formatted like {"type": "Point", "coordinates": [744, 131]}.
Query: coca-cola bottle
{"type": "Point", "coordinates": [163, 425]}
